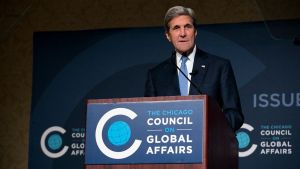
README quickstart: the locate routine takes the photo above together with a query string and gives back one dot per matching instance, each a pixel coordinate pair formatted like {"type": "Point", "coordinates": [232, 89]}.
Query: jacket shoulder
{"type": "Point", "coordinates": [211, 57]}
{"type": "Point", "coordinates": [161, 67]}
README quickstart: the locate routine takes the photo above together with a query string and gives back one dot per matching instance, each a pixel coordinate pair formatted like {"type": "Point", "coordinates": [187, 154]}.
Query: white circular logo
{"type": "Point", "coordinates": [99, 130]}
{"type": "Point", "coordinates": [244, 141]}
{"type": "Point", "coordinates": [54, 142]}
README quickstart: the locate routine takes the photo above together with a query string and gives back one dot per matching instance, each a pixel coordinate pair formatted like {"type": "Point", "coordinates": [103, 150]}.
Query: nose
{"type": "Point", "coordinates": [182, 32]}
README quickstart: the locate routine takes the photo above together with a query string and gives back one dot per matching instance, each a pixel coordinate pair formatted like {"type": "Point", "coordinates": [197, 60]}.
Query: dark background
{"type": "Point", "coordinates": [106, 64]}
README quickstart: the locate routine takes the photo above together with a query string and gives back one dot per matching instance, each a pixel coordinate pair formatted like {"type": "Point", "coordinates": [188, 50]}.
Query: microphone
{"type": "Point", "coordinates": [192, 74]}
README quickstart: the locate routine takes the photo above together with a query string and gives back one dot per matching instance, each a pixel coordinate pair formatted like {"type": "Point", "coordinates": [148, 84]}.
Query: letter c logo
{"type": "Point", "coordinates": [54, 139]}
{"type": "Point", "coordinates": [253, 146]}
{"type": "Point", "coordinates": [99, 130]}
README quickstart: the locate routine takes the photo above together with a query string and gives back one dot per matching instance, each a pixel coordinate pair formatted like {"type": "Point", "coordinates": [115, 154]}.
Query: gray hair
{"type": "Point", "coordinates": [177, 11]}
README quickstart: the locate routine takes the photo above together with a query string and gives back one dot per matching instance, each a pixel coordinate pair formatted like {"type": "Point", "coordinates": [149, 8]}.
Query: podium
{"type": "Point", "coordinates": [172, 132]}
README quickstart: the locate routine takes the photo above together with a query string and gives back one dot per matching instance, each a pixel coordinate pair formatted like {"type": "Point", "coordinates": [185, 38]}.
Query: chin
{"type": "Point", "coordinates": [184, 50]}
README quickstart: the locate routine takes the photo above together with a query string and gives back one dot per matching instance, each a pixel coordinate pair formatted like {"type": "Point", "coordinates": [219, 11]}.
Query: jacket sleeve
{"type": "Point", "coordinates": [149, 87]}
{"type": "Point", "coordinates": [230, 98]}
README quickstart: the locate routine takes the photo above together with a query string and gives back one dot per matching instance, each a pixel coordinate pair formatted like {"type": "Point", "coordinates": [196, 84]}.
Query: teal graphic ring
{"type": "Point", "coordinates": [243, 139]}
{"type": "Point", "coordinates": [55, 141]}
{"type": "Point", "coordinates": [119, 133]}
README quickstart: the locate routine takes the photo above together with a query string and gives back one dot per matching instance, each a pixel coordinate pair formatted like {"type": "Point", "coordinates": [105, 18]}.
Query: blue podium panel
{"type": "Point", "coordinates": [144, 132]}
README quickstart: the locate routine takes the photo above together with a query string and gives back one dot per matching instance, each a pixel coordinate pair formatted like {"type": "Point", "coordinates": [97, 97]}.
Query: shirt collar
{"type": "Point", "coordinates": [191, 56]}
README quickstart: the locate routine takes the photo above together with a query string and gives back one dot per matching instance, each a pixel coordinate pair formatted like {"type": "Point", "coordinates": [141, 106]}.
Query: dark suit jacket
{"type": "Point", "coordinates": [212, 75]}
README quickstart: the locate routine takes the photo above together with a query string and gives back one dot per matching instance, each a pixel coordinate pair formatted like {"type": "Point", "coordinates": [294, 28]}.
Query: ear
{"type": "Point", "coordinates": [167, 36]}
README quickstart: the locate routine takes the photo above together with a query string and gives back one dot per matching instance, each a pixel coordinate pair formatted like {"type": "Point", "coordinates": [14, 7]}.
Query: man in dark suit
{"type": "Point", "coordinates": [208, 74]}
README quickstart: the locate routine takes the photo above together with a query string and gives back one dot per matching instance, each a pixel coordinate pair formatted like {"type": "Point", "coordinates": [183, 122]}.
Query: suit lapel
{"type": "Point", "coordinates": [173, 88]}
{"type": "Point", "coordinates": [200, 68]}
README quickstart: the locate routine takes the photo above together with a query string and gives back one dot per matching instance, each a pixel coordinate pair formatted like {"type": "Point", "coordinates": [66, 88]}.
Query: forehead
{"type": "Point", "coordinates": [180, 20]}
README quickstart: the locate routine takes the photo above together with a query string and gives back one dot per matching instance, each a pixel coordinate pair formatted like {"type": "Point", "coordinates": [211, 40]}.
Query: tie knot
{"type": "Point", "coordinates": [184, 59]}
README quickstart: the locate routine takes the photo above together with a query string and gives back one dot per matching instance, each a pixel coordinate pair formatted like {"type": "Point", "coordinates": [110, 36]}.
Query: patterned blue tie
{"type": "Point", "coordinates": [183, 82]}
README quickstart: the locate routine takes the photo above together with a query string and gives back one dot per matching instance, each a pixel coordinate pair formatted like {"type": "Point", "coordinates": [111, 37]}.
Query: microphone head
{"type": "Point", "coordinates": [194, 72]}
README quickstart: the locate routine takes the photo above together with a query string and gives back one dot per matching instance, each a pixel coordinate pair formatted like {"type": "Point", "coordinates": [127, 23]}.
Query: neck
{"type": "Point", "coordinates": [186, 53]}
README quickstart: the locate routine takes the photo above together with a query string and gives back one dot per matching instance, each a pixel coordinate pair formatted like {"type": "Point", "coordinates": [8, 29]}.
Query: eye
{"type": "Point", "coordinates": [175, 27]}
{"type": "Point", "coordinates": [188, 26]}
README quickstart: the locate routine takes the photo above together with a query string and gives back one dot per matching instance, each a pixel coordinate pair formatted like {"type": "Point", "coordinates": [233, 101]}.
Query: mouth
{"type": "Point", "coordinates": [183, 41]}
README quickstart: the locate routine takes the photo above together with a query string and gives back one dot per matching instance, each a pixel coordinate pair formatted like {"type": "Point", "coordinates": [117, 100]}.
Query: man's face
{"type": "Point", "coordinates": [182, 33]}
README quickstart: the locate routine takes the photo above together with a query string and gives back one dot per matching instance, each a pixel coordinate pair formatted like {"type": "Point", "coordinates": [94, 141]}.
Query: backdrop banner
{"type": "Point", "coordinates": [73, 66]}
